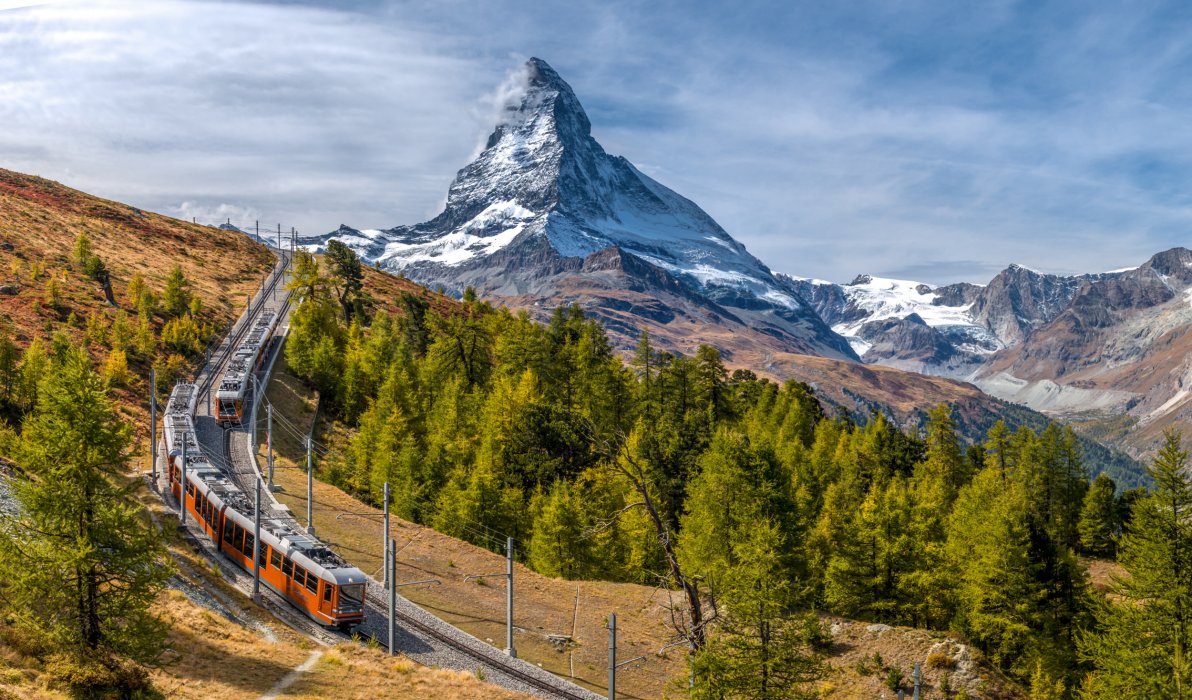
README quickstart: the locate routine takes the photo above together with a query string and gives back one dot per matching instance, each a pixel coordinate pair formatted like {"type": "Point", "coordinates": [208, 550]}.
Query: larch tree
{"type": "Point", "coordinates": [758, 650]}
{"type": "Point", "coordinates": [1140, 647]}
{"type": "Point", "coordinates": [1099, 518]}
{"type": "Point", "coordinates": [176, 296]}
{"type": "Point", "coordinates": [80, 563]}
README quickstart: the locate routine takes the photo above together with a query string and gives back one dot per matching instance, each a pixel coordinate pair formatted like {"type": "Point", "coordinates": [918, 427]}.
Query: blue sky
{"type": "Point", "coordinates": [938, 141]}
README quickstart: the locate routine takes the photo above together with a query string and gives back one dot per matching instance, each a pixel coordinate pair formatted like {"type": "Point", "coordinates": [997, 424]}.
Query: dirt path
{"type": "Point", "coordinates": [292, 677]}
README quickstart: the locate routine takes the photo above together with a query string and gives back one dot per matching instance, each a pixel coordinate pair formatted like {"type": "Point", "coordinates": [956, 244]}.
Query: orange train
{"type": "Point", "coordinates": [295, 565]}
{"type": "Point", "coordinates": [248, 358]}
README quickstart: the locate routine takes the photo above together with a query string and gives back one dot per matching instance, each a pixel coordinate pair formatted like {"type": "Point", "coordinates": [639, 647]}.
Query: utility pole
{"type": "Point", "coordinates": [269, 439]}
{"type": "Point", "coordinates": [390, 560]}
{"type": "Point", "coordinates": [310, 490]}
{"type": "Point", "coordinates": [509, 598]}
{"type": "Point", "coordinates": [917, 679]}
{"type": "Point", "coordinates": [258, 229]}
{"type": "Point", "coordinates": [252, 415]}
{"type": "Point", "coordinates": [153, 426]}
{"type": "Point", "coordinates": [182, 492]}
{"type": "Point", "coordinates": [256, 546]}
{"type": "Point", "coordinates": [612, 656]}
{"type": "Point", "coordinates": [385, 501]}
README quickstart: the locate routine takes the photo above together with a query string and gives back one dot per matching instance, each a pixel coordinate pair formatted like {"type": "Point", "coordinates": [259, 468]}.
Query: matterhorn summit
{"type": "Point", "coordinates": [544, 216]}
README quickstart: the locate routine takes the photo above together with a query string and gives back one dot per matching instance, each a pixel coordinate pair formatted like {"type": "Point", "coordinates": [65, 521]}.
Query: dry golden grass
{"type": "Point", "coordinates": [853, 671]}
{"type": "Point", "coordinates": [41, 220]}
{"type": "Point", "coordinates": [208, 655]}
{"type": "Point", "coordinates": [1102, 573]}
{"type": "Point", "coordinates": [350, 672]}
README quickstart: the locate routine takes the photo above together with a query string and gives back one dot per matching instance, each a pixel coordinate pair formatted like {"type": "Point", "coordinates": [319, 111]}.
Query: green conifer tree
{"type": "Point", "coordinates": [176, 296]}
{"type": "Point", "coordinates": [1099, 518]}
{"type": "Point", "coordinates": [1140, 648]}
{"type": "Point", "coordinates": [80, 563]}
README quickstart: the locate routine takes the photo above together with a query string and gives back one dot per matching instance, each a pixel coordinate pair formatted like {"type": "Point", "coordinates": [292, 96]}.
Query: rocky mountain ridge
{"type": "Point", "coordinates": [1097, 348]}
{"type": "Point", "coordinates": [543, 206]}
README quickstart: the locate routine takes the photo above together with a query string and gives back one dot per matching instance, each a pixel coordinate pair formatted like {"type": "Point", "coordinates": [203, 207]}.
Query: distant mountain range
{"type": "Point", "coordinates": [1108, 349]}
{"type": "Point", "coordinates": [544, 217]}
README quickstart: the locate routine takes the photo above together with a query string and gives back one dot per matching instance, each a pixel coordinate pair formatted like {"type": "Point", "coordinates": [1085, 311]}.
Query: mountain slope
{"type": "Point", "coordinates": [950, 331]}
{"type": "Point", "coordinates": [543, 207]}
{"type": "Point", "coordinates": [1121, 347]}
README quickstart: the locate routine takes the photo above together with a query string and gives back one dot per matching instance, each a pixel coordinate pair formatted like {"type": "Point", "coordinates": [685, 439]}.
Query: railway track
{"type": "Point", "coordinates": [418, 634]}
{"type": "Point", "coordinates": [551, 690]}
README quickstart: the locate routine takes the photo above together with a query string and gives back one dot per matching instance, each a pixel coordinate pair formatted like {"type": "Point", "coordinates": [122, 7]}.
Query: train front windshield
{"type": "Point", "coordinates": [227, 408]}
{"type": "Point", "coordinates": [351, 597]}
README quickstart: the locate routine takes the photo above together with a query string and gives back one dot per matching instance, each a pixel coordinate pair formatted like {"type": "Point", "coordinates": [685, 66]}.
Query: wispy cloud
{"type": "Point", "coordinates": [831, 138]}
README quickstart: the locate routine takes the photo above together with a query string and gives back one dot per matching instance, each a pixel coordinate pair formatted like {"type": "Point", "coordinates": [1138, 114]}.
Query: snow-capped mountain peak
{"type": "Point", "coordinates": [543, 192]}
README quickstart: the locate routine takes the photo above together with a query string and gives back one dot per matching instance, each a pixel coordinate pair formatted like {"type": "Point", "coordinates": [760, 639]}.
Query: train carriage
{"type": "Point", "coordinates": [295, 565]}
{"type": "Point", "coordinates": [249, 356]}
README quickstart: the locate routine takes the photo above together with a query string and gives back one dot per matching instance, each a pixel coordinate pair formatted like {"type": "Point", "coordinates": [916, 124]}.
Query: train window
{"type": "Point", "coordinates": [287, 568]}
{"type": "Point", "coordinates": [299, 575]}
{"type": "Point", "coordinates": [312, 583]}
{"type": "Point", "coordinates": [275, 559]}
{"type": "Point", "coordinates": [327, 592]}
{"type": "Point", "coordinates": [351, 596]}
{"type": "Point", "coordinates": [228, 530]}
{"type": "Point", "coordinates": [263, 556]}
{"type": "Point", "coordinates": [248, 543]}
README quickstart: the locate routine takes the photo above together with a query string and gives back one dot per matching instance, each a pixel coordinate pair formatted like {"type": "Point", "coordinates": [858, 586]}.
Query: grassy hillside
{"type": "Point", "coordinates": [41, 220]}
{"type": "Point", "coordinates": [219, 644]}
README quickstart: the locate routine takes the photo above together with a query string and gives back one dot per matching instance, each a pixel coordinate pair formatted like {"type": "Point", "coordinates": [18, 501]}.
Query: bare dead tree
{"type": "Point", "coordinates": [688, 620]}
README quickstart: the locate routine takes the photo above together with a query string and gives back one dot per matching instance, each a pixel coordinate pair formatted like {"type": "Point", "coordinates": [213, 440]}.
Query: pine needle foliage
{"type": "Point", "coordinates": [80, 563]}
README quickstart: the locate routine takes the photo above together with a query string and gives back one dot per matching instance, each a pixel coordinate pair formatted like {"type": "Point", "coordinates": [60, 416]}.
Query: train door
{"type": "Point", "coordinates": [326, 597]}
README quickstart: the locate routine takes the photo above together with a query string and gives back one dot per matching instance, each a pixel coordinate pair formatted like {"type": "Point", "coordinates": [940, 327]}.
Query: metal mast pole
{"type": "Point", "coordinates": [612, 656]}
{"type": "Point", "coordinates": [182, 491]}
{"type": "Point", "coordinates": [509, 598]}
{"type": "Point", "coordinates": [252, 416]}
{"type": "Point", "coordinates": [269, 439]}
{"type": "Point", "coordinates": [385, 577]}
{"type": "Point", "coordinates": [310, 488]}
{"type": "Point", "coordinates": [256, 546]}
{"type": "Point", "coordinates": [153, 426]}
{"type": "Point", "coordinates": [391, 558]}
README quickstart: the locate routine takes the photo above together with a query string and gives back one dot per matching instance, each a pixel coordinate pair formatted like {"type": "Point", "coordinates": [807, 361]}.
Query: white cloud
{"type": "Point", "coordinates": [829, 141]}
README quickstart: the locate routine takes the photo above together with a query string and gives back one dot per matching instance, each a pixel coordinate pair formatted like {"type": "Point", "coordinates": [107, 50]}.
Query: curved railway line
{"type": "Point", "coordinates": [418, 634]}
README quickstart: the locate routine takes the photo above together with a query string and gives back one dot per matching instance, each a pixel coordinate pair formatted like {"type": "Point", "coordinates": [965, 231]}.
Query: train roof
{"type": "Point", "coordinates": [179, 419]}
{"type": "Point", "coordinates": [234, 382]}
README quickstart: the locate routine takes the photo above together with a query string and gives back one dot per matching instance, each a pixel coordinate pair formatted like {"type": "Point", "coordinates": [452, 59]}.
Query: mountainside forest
{"type": "Point", "coordinates": [738, 493]}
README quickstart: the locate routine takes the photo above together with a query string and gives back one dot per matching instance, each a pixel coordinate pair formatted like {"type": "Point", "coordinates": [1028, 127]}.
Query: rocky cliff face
{"type": "Point", "coordinates": [1119, 352]}
{"type": "Point", "coordinates": [1019, 300]}
{"type": "Point", "coordinates": [1109, 349]}
{"type": "Point", "coordinates": [524, 220]}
